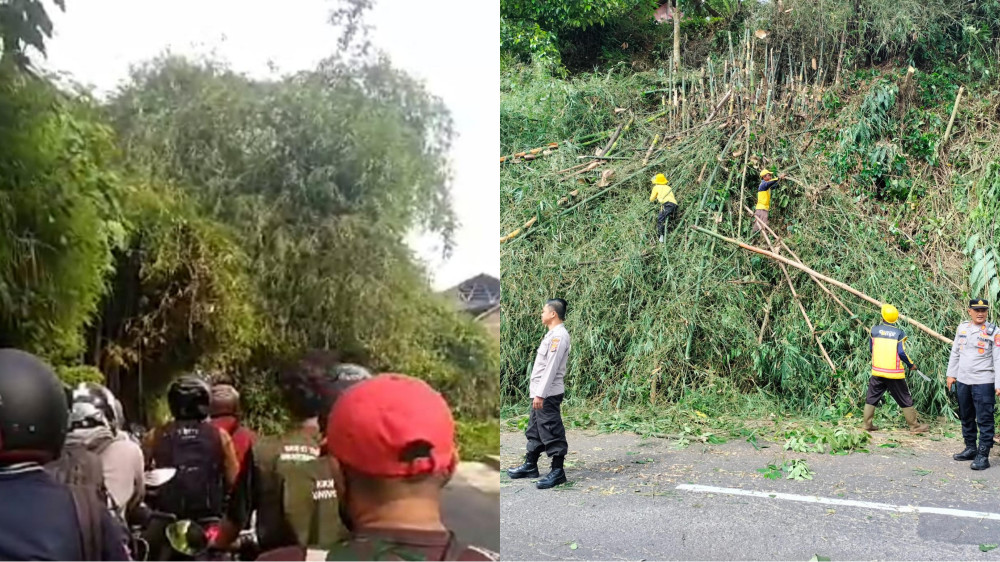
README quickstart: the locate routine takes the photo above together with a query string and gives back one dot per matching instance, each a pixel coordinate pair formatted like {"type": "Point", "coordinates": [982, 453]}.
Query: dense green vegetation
{"type": "Point", "coordinates": [201, 219]}
{"type": "Point", "coordinates": [878, 198]}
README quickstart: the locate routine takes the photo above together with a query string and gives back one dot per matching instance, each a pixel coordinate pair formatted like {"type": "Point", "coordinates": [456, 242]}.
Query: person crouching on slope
{"type": "Point", "coordinates": [663, 194]}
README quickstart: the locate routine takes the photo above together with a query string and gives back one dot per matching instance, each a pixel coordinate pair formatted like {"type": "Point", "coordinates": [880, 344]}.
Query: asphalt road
{"type": "Point", "coordinates": [472, 514]}
{"type": "Point", "coordinates": [623, 503]}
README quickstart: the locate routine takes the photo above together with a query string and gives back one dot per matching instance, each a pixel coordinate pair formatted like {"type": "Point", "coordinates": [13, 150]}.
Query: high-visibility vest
{"type": "Point", "coordinates": [764, 197]}
{"type": "Point", "coordinates": [886, 343]}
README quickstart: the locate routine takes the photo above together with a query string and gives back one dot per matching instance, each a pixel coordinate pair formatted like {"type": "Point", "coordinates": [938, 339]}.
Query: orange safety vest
{"type": "Point", "coordinates": [885, 343]}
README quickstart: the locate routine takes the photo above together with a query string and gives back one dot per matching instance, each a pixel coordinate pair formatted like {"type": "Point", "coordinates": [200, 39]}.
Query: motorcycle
{"type": "Point", "coordinates": [162, 536]}
{"type": "Point", "coordinates": [148, 526]}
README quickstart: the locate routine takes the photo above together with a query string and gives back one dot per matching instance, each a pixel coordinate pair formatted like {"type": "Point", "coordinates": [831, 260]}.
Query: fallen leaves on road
{"type": "Point", "coordinates": [987, 547]}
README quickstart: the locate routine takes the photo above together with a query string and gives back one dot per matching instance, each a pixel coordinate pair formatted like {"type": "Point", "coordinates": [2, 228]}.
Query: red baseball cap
{"type": "Point", "coordinates": [392, 426]}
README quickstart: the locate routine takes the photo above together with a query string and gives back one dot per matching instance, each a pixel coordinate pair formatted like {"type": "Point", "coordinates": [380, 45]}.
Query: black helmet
{"type": "Point", "coordinates": [189, 398]}
{"type": "Point", "coordinates": [94, 405]}
{"type": "Point", "coordinates": [34, 413]}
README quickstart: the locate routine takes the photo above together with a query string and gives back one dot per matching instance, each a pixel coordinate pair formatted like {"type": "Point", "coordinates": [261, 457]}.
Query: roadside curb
{"type": "Point", "coordinates": [493, 461]}
{"type": "Point", "coordinates": [479, 475]}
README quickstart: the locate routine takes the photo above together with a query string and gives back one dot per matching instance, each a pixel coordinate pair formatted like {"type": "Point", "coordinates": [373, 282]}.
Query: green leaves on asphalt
{"type": "Point", "coordinates": [795, 469]}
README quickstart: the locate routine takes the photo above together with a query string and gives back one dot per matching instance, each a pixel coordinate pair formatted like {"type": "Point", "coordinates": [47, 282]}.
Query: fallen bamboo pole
{"type": "Point", "coordinates": [829, 280]}
{"type": "Point", "coordinates": [802, 308]}
{"type": "Point", "coordinates": [767, 228]}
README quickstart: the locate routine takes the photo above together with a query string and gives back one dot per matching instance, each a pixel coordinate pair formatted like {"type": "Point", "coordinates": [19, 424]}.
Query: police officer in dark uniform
{"type": "Point", "coordinates": [972, 369]}
{"type": "Point", "coordinates": [545, 430]}
{"type": "Point", "coordinates": [39, 517]}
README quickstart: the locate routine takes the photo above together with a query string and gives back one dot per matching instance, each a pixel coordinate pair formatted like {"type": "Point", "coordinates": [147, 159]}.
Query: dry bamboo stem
{"type": "Point", "coordinates": [767, 228]}
{"type": "Point", "coordinates": [829, 280]}
{"type": "Point", "coordinates": [954, 111]}
{"type": "Point", "coordinates": [743, 182]}
{"type": "Point", "coordinates": [722, 101]}
{"type": "Point", "coordinates": [802, 308]}
{"type": "Point", "coordinates": [656, 139]}
{"type": "Point", "coordinates": [840, 57]}
{"type": "Point", "coordinates": [611, 141]}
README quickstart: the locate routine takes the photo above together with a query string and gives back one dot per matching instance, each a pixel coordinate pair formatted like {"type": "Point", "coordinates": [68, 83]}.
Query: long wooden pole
{"type": "Point", "coordinates": [829, 280]}
{"type": "Point", "coordinates": [767, 228]}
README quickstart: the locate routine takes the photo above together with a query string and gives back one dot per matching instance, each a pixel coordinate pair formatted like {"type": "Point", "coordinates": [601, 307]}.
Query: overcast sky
{"type": "Point", "coordinates": [450, 44]}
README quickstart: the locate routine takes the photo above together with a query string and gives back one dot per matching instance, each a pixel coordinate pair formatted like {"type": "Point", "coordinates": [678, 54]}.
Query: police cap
{"type": "Point", "coordinates": [979, 304]}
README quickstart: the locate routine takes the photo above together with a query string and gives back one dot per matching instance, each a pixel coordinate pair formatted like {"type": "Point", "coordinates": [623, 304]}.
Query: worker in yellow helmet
{"type": "Point", "coordinates": [888, 347]}
{"type": "Point", "coordinates": [663, 194]}
{"type": "Point", "coordinates": [764, 198]}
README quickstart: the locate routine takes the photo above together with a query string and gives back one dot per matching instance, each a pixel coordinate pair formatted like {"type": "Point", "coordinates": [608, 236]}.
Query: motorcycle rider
{"type": "Point", "coordinates": [225, 409]}
{"type": "Point", "coordinates": [41, 519]}
{"type": "Point", "coordinates": [391, 453]}
{"type": "Point", "coordinates": [96, 422]}
{"type": "Point", "coordinates": [204, 456]}
{"type": "Point", "coordinates": [295, 500]}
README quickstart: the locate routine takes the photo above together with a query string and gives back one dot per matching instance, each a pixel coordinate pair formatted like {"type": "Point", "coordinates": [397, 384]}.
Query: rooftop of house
{"type": "Point", "coordinates": [477, 294]}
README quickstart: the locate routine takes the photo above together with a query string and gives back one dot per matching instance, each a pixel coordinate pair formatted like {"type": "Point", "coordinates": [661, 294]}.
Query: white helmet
{"type": "Point", "coordinates": [94, 406]}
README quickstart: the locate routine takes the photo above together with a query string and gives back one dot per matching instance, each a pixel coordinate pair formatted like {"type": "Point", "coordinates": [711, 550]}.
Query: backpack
{"type": "Point", "coordinates": [82, 472]}
{"type": "Point", "coordinates": [198, 490]}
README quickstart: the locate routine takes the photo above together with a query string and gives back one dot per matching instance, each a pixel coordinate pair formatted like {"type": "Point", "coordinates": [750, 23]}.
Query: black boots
{"type": "Point", "coordinates": [982, 460]}
{"type": "Point", "coordinates": [968, 454]}
{"type": "Point", "coordinates": [527, 470]}
{"type": "Point", "coordinates": [530, 470]}
{"type": "Point", "coordinates": [554, 478]}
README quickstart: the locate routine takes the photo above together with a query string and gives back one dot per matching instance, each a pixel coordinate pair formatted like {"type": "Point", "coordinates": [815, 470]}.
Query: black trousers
{"type": "Point", "coordinates": [877, 386]}
{"type": "Point", "coordinates": [976, 403]}
{"type": "Point", "coordinates": [661, 219]}
{"type": "Point", "coordinates": [545, 430]}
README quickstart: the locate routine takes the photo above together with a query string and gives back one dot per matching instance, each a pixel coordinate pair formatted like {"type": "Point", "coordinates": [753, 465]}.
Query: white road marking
{"type": "Point", "coordinates": [849, 503]}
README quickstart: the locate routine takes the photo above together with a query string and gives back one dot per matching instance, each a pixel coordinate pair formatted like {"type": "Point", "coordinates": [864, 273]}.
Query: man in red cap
{"type": "Point", "coordinates": [392, 452]}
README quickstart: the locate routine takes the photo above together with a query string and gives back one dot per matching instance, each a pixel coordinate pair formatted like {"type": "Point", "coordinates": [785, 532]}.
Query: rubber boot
{"type": "Point", "coordinates": [527, 470]}
{"type": "Point", "coordinates": [982, 460]}
{"type": "Point", "coordinates": [869, 416]}
{"type": "Point", "coordinates": [911, 419]}
{"type": "Point", "coordinates": [554, 478]}
{"type": "Point", "coordinates": [968, 454]}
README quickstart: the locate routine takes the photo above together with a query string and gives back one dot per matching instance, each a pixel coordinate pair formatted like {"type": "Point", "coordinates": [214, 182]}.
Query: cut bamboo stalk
{"type": "Point", "coordinates": [829, 280]}
{"type": "Point", "coordinates": [649, 152]}
{"type": "Point", "coordinates": [802, 309]}
{"type": "Point", "coordinates": [722, 101]}
{"type": "Point", "coordinates": [611, 142]}
{"type": "Point", "coordinates": [954, 111]}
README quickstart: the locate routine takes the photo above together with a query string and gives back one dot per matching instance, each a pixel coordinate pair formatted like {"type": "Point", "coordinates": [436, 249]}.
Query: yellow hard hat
{"type": "Point", "coordinates": [660, 179]}
{"type": "Point", "coordinates": [889, 313]}
{"type": "Point", "coordinates": [765, 172]}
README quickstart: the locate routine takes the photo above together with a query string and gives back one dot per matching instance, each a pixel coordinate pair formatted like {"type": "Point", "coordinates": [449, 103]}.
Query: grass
{"type": "Point", "coordinates": [478, 439]}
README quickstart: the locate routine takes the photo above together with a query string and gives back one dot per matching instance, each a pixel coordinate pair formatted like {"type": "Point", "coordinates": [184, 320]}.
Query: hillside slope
{"type": "Point", "coordinates": [877, 197]}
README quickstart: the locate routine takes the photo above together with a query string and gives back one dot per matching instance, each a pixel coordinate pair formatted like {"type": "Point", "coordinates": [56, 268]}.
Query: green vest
{"type": "Point", "coordinates": [298, 503]}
